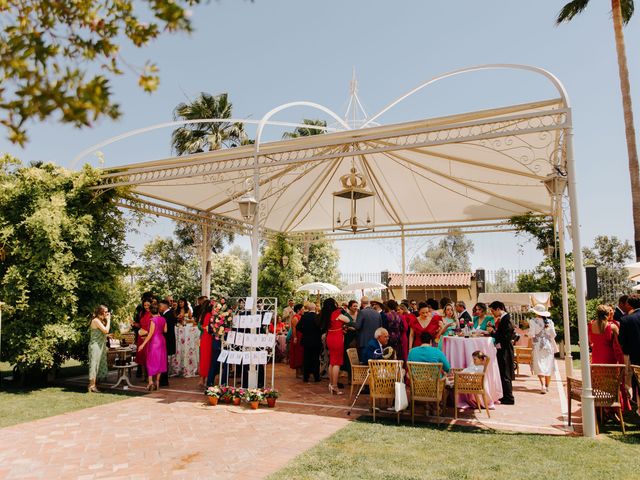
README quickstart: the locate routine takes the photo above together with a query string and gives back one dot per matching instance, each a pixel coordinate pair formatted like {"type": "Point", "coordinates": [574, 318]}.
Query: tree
{"type": "Point", "coordinates": [231, 274]}
{"type": "Point", "coordinates": [451, 254]}
{"type": "Point", "coordinates": [170, 268]}
{"type": "Point", "coordinates": [307, 131]}
{"type": "Point", "coordinates": [320, 259]}
{"type": "Point", "coordinates": [277, 277]}
{"type": "Point", "coordinates": [609, 255]}
{"type": "Point", "coordinates": [202, 137]}
{"type": "Point", "coordinates": [63, 255]}
{"type": "Point", "coordinates": [501, 283]}
{"type": "Point", "coordinates": [621, 12]}
{"type": "Point", "coordinates": [51, 53]}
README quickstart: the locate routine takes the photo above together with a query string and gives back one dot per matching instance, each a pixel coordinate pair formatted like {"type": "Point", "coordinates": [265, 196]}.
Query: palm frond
{"type": "Point", "coordinates": [627, 8]}
{"type": "Point", "coordinates": [570, 10]}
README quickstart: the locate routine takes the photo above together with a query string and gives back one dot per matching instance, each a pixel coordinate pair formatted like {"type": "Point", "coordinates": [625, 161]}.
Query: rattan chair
{"type": "Point", "coordinates": [524, 356]}
{"type": "Point", "coordinates": [605, 387]}
{"type": "Point", "coordinates": [384, 375]}
{"type": "Point", "coordinates": [471, 383]}
{"type": "Point", "coordinates": [427, 384]}
{"type": "Point", "coordinates": [636, 372]}
{"type": "Point", "coordinates": [358, 372]}
{"type": "Point", "coordinates": [129, 337]}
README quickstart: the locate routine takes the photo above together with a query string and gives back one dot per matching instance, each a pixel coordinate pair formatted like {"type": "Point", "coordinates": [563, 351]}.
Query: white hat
{"type": "Point", "coordinates": [540, 310]}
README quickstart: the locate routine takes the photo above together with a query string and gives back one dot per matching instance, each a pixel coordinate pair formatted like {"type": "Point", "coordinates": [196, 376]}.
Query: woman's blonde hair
{"type": "Point", "coordinates": [602, 316]}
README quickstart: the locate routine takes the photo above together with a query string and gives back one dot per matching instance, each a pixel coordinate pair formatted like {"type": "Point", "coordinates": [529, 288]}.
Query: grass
{"type": "Point", "coordinates": [18, 405]}
{"type": "Point", "coordinates": [386, 451]}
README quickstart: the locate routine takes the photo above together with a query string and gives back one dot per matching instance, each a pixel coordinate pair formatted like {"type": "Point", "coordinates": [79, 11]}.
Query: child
{"type": "Point", "coordinates": [479, 360]}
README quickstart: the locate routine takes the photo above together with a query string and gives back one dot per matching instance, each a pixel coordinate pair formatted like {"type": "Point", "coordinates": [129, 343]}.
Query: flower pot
{"type": "Point", "coordinates": [254, 404]}
{"type": "Point", "coordinates": [213, 400]}
{"type": "Point", "coordinates": [271, 402]}
{"type": "Point", "coordinates": [227, 399]}
{"type": "Point", "coordinates": [236, 401]}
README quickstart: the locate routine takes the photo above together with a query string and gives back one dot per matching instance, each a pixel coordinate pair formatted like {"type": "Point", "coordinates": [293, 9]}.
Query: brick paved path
{"type": "Point", "coordinates": [173, 434]}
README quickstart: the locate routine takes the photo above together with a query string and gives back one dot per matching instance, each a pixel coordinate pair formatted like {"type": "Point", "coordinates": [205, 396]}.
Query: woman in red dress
{"type": "Point", "coordinates": [206, 341]}
{"type": "Point", "coordinates": [144, 324]}
{"type": "Point", "coordinates": [333, 320]}
{"type": "Point", "coordinates": [603, 340]}
{"type": "Point", "coordinates": [427, 321]}
{"type": "Point", "coordinates": [296, 350]}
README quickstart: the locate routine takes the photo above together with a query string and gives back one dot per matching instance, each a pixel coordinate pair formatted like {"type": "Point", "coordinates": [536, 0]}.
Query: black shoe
{"type": "Point", "coordinates": [504, 401]}
{"type": "Point", "coordinates": [340, 385]}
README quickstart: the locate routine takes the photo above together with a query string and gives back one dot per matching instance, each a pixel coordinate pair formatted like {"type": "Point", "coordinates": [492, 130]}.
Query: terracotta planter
{"type": "Point", "coordinates": [254, 404]}
{"type": "Point", "coordinates": [271, 402]}
{"type": "Point", "coordinates": [236, 401]}
{"type": "Point", "coordinates": [213, 400]}
{"type": "Point", "coordinates": [227, 399]}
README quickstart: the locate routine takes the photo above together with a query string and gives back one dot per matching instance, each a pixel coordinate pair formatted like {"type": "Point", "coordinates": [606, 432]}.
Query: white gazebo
{"type": "Point", "coordinates": [471, 171]}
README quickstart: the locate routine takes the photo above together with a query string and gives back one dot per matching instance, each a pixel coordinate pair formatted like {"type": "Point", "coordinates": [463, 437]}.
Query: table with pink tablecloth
{"type": "Point", "coordinates": [458, 351]}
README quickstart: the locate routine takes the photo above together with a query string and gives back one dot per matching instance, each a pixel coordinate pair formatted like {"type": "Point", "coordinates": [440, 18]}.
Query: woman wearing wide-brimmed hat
{"type": "Point", "coordinates": [542, 334]}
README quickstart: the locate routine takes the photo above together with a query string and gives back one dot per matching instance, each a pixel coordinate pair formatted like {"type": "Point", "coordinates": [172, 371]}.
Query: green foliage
{"type": "Point", "coordinates": [274, 279]}
{"type": "Point", "coordinates": [307, 131]}
{"type": "Point", "coordinates": [320, 260]}
{"type": "Point", "coordinates": [202, 137]}
{"type": "Point", "coordinates": [610, 255]}
{"type": "Point", "coordinates": [502, 283]}
{"type": "Point", "coordinates": [451, 254]}
{"type": "Point", "coordinates": [64, 246]}
{"type": "Point", "coordinates": [576, 7]}
{"type": "Point", "coordinates": [51, 53]}
{"type": "Point", "coordinates": [539, 228]}
{"type": "Point", "coordinates": [230, 275]}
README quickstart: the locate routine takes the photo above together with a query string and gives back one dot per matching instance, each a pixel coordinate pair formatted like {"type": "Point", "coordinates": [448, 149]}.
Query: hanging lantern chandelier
{"type": "Point", "coordinates": [354, 205]}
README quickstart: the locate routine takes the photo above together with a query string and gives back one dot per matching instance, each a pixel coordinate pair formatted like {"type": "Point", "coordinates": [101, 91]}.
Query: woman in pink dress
{"type": "Point", "coordinates": [144, 323]}
{"type": "Point", "coordinates": [206, 341]}
{"type": "Point", "coordinates": [333, 320]}
{"type": "Point", "coordinates": [603, 340]}
{"type": "Point", "coordinates": [155, 347]}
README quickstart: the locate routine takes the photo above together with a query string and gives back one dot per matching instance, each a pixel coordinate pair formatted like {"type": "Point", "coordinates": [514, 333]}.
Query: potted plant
{"type": "Point", "coordinates": [213, 394]}
{"type": "Point", "coordinates": [227, 394]}
{"type": "Point", "coordinates": [238, 394]}
{"type": "Point", "coordinates": [253, 397]}
{"type": "Point", "coordinates": [271, 394]}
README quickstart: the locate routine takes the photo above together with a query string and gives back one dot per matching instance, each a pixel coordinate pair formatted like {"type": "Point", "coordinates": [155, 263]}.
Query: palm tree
{"type": "Point", "coordinates": [622, 11]}
{"type": "Point", "coordinates": [307, 131]}
{"type": "Point", "coordinates": [202, 137]}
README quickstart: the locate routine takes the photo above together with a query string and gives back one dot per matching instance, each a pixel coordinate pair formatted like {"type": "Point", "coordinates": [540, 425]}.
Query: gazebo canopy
{"type": "Point", "coordinates": [480, 166]}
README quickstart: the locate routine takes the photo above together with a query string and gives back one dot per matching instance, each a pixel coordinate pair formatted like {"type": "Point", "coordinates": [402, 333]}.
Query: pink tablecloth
{"type": "Point", "coordinates": [458, 351]}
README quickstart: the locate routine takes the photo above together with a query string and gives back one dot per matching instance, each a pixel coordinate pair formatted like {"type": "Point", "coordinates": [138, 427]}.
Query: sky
{"type": "Point", "coordinates": [266, 53]}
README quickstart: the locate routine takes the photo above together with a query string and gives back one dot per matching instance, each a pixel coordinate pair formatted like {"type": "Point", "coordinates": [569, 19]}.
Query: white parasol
{"type": "Point", "coordinates": [319, 288]}
{"type": "Point", "coordinates": [362, 286]}
{"type": "Point", "coordinates": [634, 271]}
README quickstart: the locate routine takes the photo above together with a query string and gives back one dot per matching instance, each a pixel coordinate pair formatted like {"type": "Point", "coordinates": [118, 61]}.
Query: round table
{"type": "Point", "coordinates": [458, 351]}
{"type": "Point", "coordinates": [187, 358]}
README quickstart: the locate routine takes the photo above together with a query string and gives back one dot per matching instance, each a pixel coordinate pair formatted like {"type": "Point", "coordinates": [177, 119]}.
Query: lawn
{"type": "Point", "coordinates": [19, 405]}
{"type": "Point", "coordinates": [385, 451]}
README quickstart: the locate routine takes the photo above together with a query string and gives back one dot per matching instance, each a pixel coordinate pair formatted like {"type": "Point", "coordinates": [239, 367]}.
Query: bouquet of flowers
{"type": "Point", "coordinates": [215, 391]}
{"type": "Point", "coordinates": [238, 392]}
{"type": "Point", "coordinates": [253, 395]}
{"type": "Point", "coordinates": [226, 393]}
{"type": "Point", "coordinates": [221, 320]}
{"type": "Point", "coordinates": [270, 393]}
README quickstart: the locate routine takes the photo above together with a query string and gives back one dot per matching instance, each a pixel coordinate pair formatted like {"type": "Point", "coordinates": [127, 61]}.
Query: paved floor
{"type": "Point", "coordinates": [173, 434]}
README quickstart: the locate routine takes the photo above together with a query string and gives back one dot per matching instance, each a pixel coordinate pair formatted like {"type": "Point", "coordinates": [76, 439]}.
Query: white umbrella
{"type": "Point", "coordinates": [319, 288]}
{"type": "Point", "coordinates": [635, 288]}
{"type": "Point", "coordinates": [362, 286]}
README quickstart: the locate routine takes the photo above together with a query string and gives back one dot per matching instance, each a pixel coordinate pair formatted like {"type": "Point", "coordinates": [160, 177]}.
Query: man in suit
{"type": "Point", "coordinates": [622, 309]}
{"type": "Point", "coordinates": [463, 316]}
{"type": "Point", "coordinates": [503, 336]}
{"type": "Point", "coordinates": [375, 347]}
{"type": "Point", "coordinates": [367, 322]}
{"type": "Point", "coordinates": [170, 336]}
{"type": "Point", "coordinates": [630, 338]}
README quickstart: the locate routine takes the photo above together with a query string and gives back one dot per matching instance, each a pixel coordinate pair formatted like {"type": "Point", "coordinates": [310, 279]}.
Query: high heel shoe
{"type": "Point", "coordinates": [333, 390]}
{"type": "Point", "coordinates": [150, 387]}
{"type": "Point", "coordinates": [93, 389]}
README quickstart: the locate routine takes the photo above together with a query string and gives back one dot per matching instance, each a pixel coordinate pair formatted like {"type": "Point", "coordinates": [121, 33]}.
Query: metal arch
{"type": "Point", "coordinates": [139, 131]}
{"type": "Point", "coordinates": [268, 115]}
{"type": "Point", "coordinates": [491, 66]}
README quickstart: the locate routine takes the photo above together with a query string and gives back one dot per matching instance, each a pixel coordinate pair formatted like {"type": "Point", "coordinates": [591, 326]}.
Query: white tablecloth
{"type": "Point", "coordinates": [185, 361]}
{"type": "Point", "coordinates": [458, 351]}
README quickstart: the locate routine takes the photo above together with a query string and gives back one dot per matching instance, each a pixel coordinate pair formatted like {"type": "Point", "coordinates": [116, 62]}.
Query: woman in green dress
{"type": "Point", "coordinates": [98, 330]}
{"type": "Point", "coordinates": [482, 323]}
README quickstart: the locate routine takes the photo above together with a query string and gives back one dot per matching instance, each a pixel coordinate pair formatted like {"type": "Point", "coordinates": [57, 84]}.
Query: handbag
{"type": "Point", "coordinates": [401, 402]}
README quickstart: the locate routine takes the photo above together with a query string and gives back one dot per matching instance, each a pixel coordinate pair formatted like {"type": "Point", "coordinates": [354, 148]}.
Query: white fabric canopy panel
{"type": "Point", "coordinates": [485, 165]}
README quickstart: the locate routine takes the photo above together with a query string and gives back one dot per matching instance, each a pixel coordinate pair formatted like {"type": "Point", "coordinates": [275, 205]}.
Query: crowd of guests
{"type": "Point", "coordinates": [318, 341]}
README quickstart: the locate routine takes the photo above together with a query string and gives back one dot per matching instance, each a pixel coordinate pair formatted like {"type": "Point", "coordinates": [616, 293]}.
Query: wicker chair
{"type": "Point", "coordinates": [384, 375]}
{"type": "Point", "coordinates": [427, 384]}
{"type": "Point", "coordinates": [523, 355]}
{"type": "Point", "coordinates": [605, 387]}
{"type": "Point", "coordinates": [358, 372]}
{"type": "Point", "coordinates": [636, 372]}
{"type": "Point", "coordinates": [129, 337]}
{"type": "Point", "coordinates": [471, 383]}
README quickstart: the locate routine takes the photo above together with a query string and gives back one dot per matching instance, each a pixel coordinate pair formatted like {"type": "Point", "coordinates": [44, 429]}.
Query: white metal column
{"type": "Point", "coordinates": [205, 261]}
{"type": "Point", "coordinates": [568, 359]}
{"type": "Point", "coordinates": [404, 267]}
{"type": "Point", "coordinates": [588, 410]}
